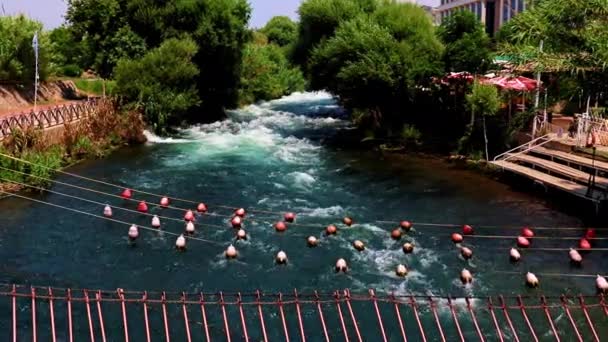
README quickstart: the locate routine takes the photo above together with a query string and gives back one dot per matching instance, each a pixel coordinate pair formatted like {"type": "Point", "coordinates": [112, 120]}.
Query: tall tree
{"type": "Point", "coordinates": [280, 30]}
{"type": "Point", "coordinates": [17, 59]}
{"type": "Point", "coordinates": [467, 46]}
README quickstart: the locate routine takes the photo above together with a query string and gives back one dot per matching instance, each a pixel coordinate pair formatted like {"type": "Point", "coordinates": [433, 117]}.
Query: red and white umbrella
{"type": "Point", "coordinates": [518, 83]}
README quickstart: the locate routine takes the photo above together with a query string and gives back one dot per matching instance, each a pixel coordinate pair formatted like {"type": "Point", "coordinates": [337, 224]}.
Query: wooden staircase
{"type": "Point", "coordinates": [557, 169]}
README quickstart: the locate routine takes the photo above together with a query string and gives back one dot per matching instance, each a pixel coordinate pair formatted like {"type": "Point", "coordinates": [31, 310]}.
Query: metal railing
{"type": "Point", "coordinates": [525, 148]}
{"type": "Point", "coordinates": [48, 117]}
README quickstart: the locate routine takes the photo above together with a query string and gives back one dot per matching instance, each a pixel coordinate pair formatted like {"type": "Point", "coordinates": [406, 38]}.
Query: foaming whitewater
{"type": "Point", "coordinates": [155, 139]}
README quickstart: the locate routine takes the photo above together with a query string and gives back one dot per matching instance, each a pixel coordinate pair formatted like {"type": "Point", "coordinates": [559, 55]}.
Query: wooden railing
{"type": "Point", "coordinates": [47, 117]}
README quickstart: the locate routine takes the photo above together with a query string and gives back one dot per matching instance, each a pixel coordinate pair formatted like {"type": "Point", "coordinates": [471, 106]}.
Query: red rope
{"type": "Point", "coordinates": [101, 326]}
{"type": "Point", "coordinates": [415, 308]}
{"type": "Point", "coordinates": [455, 316]}
{"type": "Point", "coordinates": [491, 308]}
{"type": "Point", "coordinates": [34, 329]}
{"type": "Point", "coordinates": [14, 292]}
{"type": "Point", "coordinates": [225, 317]}
{"type": "Point", "coordinates": [398, 313]}
{"type": "Point", "coordinates": [434, 309]}
{"type": "Point", "coordinates": [186, 321]}
{"type": "Point", "coordinates": [588, 318]}
{"type": "Point", "coordinates": [337, 297]}
{"type": "Point", "coordinates": [352, 314]}
{"type": "Point", "coordinates": [522, 307]}
{"type": "Point", "coordinates": [204, 314]}
{"type": "Point", "coordinates": [70, 323]}
{"type": "Point", "coordinates": [283, 317]}
{"type": "Point", "coordinates": [52, 314]}
{"type": "Point", "coordinates": [508, 318]}
{"type": "Point", "coordinates": [89, 317]}
{"type": "Point", "coordinates": [163, 299]}
{"type": "Point", "coordinates": [242, 313]}
{"type": "Point", "coordinates": [567, 310]}
{"type": "Point", "coordinates": [146, 320]}
{"type": "Point", "coordinates": [321, 317]}
{"type": "Point", "coordinates": [261, 314]}
{"type": "Point", "coordinates": [300, 323]}
{"type": "Point", "coordinates": [474, 318]}
{"type": "Point", "coordinates": [124, 314]}
{"type": "Point", "coordinates": [548, 314]}
{"type": "Point", "coordinates": [603, 303]}
{"type": "Point", "coordinates": [372, 295]}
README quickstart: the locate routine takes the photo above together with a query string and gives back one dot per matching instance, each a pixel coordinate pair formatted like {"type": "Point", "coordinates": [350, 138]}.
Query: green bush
{"type": "Point", "coordinates": [411, 134]}
{"type": "Point", "coordinates": [71, 70]}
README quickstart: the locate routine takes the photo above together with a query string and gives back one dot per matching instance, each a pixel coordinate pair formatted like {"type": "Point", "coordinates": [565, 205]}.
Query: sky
{"type": "Point", "coordinates": [51, 12]}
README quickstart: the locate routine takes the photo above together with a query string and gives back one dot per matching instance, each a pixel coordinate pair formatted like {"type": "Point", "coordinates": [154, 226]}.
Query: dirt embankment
{"type": "Point", "coordinates": [18, 98]}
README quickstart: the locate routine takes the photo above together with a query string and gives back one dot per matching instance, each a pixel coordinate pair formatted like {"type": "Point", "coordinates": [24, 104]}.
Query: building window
{"type": "Point", "coordinates": [520, 6]}
{"type": "Point", "coordinates": [479, 6]}
{"type": "Point", "coordinates": [505, 11]}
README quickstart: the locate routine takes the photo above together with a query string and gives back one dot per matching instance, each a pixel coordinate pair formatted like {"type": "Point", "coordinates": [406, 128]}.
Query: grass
{"type": "Point", "coordinates": [94, 86]}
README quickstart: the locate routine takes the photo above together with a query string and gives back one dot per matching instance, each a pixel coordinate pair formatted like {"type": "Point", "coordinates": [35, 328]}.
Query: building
{"type": "Point", "coordinates": [492, 13]}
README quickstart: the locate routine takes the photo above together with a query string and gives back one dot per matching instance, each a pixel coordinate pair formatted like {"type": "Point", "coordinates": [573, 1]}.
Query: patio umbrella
{"type": "Point", "coordinates": [511, 83]}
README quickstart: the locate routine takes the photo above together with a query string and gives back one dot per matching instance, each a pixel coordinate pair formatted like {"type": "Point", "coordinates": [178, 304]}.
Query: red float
{"type": "Point", "coordinates": [290, 217]}
{"type": "Point", "coordinates": [467, 230]}
{"type": "Point", "coordinates": [527, 232]}
{"type": "Point", "coordinates": [236, 222]}
{"type": "Point", "coordinates": [331, 230]}
{"type": "Point", "coordinates": [126, 194]}
{"type": "Point", "coordinates": [523, 242]}
{"type": "Point", "coordinates": [142, 207]}
{"type": "Point", "coordinates": [590, 234]}
{"type": "Point", "coordinates": [457, 238]}
{"type": "Point", "coordinates": [396, 234]}
{"type": "Point", "coordinates": [347, 221]}
{"type": "Point", "coordinates": [584, 244]}
{"type": "Point", "coordinates": [405, 225]}
{"type": "Point", "coordinates": [189, 216]}
{"type": "Point", "coordinates": [240, 212]}
{"type": "Point", "coordinates": [280, 226]}
{"type": "Point", "coordinates": [201, 208]}
{"type": "Point", "coordinates": [164, 202]}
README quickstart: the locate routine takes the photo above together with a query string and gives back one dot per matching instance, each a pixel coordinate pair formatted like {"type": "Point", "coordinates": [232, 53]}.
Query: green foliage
{"type": "Point", "coordinates": [410, 133]}
{"type": "Point", "coordinates": [267, 74]}
{"type": "Point", "coordinates": [161, 82]}
{"type": "Point", "coordinates": [467, 46]}
{"type": "Point", "coordinates": [483, 99]}
{"type": "Point", "coordinates": [17, 59]}
{"type": "Point", "coordinates": [71, 70]}
{"type": "Point", "coordinates": [95, 86]}
{"type": "Point", "coordinates": [67, 55]}
{"type": "Point", "coordinates": [280, 30]}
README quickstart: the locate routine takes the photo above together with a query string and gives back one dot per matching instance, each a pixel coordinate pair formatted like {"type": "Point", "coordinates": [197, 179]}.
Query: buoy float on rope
{"type": "Point", "coordinates": [408, 247]}
{"type": "Point", "coordinates": [531, 279]}
{"type": "Point", "coordinates": [396, 234]}
{"type": "Point", "coordinates": [341, 265]}
{"type": "Point", "coordinates": [236, 222]}
{"type": "Point", "coordinates": [590, 234]}
{"type": "Point", "coordinates": [523, 242]}
{"type": "Point", "coordinates": [241, 234]}
{"type": "Point", "coordinates": [514, 254]}
{"type": "Point", "coordinates": [290, 217]}
{"type": "Point", "coordinates": [466, 253]}
{"type": "Point", "coordinates": [240, 212]}
{"type": "Point", "coordinates": [457, 238]}
{"type": "Point", "coordinates": [331, 230]}
{"type": "Point", "coordinates": [584, 244]}
{"type": "Point", "coordinates": [527, 232]}
{"type": "Point", "coordinates": [280, 226]}
{"type": "Point", "coordinates": [312, 241]}
{"type": "Point", "coordinates": [575, 256]}
{"type": "Point", "coordinates": [189, 216]}
{"type": "Point", "coordinates": [133, 232]}
{"type": "Point", "coordinates": [201, 208]}
{"type": "Point", "coordinates": [142, 207]}
{"type": "Point", "coordinates": [401, 271]}
{"type": "Point", "coordinates": [155, 222]}
{"type": "Point", "coordinates": [180, 243]}
{"type": "Point", "coordinates": [281, 258]}
{"type": "Point", "coordinates": [190, 228]}
{"type": "Point", "coordinates": [467, 230]}
{"type": "Point", "coordinates": [601, 283]}
{"type": "Point", "coordinates": [347, 221]}
{"type": "Point", "coordinates": [126, 194]}
{"type": "Point", "coordinates": [107, 211]}
{"type": "Point", "coordinates": [465, 276]}
{"type": "Point", "coordinates": [359, 245]}
{"type": "Point", "coordinates": [405, 225]}
{"type": "Point", "coordinates": [164, 202]}
{"type": "Point", "coordinates": [231, 252]}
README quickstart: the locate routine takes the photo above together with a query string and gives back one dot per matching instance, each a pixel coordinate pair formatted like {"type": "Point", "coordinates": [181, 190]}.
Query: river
{"type": "Point", "coordinates": [281, 156]}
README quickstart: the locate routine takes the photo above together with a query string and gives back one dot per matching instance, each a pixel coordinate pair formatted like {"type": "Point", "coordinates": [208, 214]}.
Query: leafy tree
{"type": "Point", "coordinates": [485, 101]}
{"type": "Point", "coordinates": [467, 46]}
{"type": "Point", "coordinates": [161, 82]}
{"type": "Point", "coordinates": [280, 30]}
{"type": "Point", "coordinates": [17, 59]}
{"type": "Point", "coordinates": [267, 74]}
{"type": "Point", "coordinates": [66, 54]}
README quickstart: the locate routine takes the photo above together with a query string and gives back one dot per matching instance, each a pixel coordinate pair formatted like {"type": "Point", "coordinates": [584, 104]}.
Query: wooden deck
{"type": "Point", "coordinates": [549, 180]}
{"type": "Point", "coordinates": [565, 171]}
{"type": "Point", "coordinates": [571, 158]}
